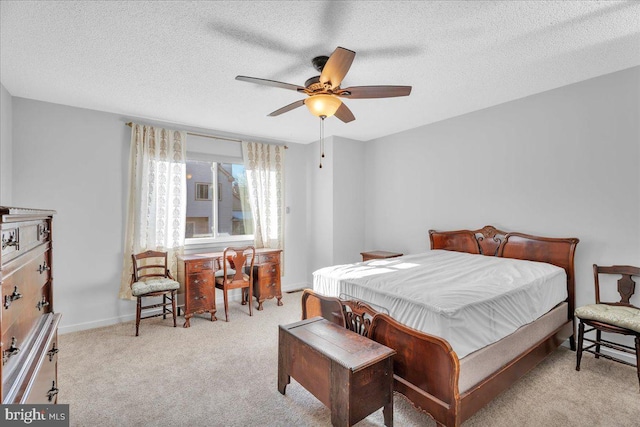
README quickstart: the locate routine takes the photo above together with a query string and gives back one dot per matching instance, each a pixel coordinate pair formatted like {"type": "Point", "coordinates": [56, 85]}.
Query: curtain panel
{"type": "Point", "coordinates": [264, 166]}
{"type": "Point", "coordinates": [156, 208]}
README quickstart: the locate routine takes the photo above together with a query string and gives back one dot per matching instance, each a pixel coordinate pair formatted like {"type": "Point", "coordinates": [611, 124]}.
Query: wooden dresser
{"type": "Point", "coordinates": [196, 274]}
{"type": "Point", "coordinates": [28, 324]}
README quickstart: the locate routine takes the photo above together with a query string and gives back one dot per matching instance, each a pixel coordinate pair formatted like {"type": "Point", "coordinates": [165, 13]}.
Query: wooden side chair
{"type": "Point", "coordinates": [620, 317]}
{"type": "Point", "coordinates": [232, 276]}
{"type": "Point", "coordinates": [151, 278]}
{"type": "Point", "coordinates": [330, 308]}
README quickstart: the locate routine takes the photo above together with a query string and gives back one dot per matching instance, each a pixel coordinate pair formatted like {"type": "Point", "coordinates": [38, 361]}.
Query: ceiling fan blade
{"type": "Point", "coordinates": [360, 92]}
{"type": "Point", "coordinates": [344, 114]}
{"type": "Point", "coordinates": [337, 66]}
{"type": "Point", "coordinates": [286, 108]}
{"type": "Point", "coordinates": [271, 83]}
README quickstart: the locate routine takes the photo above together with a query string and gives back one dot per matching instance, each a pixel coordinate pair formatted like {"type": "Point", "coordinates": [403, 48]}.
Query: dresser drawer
{"type": "Point", "coordinates": [41, 381]}
{"type": "Point", "coordinates": [22, 314]}
{"type": "Point", "coordinates": [43, 386]}
{"type": "Point", "coordinates": [19, 238]}
{"type": "Point", "coordinates": [25, 279]}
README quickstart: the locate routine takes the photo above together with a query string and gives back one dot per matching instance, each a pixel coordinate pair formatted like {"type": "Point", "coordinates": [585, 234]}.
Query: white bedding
{"type": "Point", "coordinates": [469, 300]}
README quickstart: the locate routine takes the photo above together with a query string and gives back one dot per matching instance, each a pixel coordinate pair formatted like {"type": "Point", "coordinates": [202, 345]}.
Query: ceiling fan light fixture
{"type": "Point", "coordinates": [323, 105]}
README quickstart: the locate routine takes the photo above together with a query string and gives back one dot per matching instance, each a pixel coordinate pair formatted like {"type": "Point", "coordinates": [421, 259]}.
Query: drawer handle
{"type": "Point", "coordinates": [42, 303]}
{"type": "Point", "coordinates": [8, 299]}
{"type": "Point", "coordinates": [11, 351]}
{"type": "Point", "coordinates": [12, 240]}
{"type": "Point", "coordinates": [44, 267]}
{"type": "Point", "coordinates": [54, 350]}
{"type": "Point", "coordinates": [43, 231]}
{"type": "Point", "coordinates": [52, 392]}
{"type": "Point", "coordinates": [200, 297]}
{"type": "Point", "coordinates": [195, 282]}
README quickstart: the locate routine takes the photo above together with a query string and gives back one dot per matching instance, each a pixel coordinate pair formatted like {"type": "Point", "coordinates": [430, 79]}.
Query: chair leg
{"type": "Point", "coordinates": [572, 342]}
{"type": "Point", "coordinates": [638, 357]}
{"type": "Point", "coordinates": [138, 311]}
{"type": "Point", "coordinates": [226, 305]}
{"type": "Point", "coordinates": [164, 306]}
{"type": "Point", "coordinates": [598, 337]}
{"type": "Point", "coordinates": [579, 351]}
{"type": "Point", "coordinates": [173, 307]}
{"type": "Point", "coordinates": [250, 300]}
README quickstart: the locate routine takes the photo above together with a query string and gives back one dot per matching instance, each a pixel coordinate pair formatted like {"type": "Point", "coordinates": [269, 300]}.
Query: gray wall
{"type": "Point", "coordinates": [75, 161]}
{"type": "Point", "coordinates": [335, 203]}
{"type": "Point", "coordinates": [6, 143]}
{"type": "Point", "coordinates": [562, 163]}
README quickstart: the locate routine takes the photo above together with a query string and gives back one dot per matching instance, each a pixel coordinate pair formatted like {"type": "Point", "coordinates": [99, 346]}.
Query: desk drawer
{"type": "Point", "coordinates": [267, 273]}
{"type": "Point", "coordinates": [273, 257]}
{"type": "Point", "coordinates": [200, 292]}
{"type": "Point", "coordinates": [198, 266]}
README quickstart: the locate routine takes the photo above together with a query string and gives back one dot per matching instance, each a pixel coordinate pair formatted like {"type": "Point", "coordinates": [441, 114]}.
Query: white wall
{"type": "Point", "coordinates": [75, 161]}
{"type": "Point", "coordinates": [6, 144]}
{"type": "Point", "coordinates": [335, 203]}
{"type": "Point", "coordinates": [348, 200]}
{"type": "Point", "coordinates": [563, 163]}
{"type": "Point", "coordinates": [319, 206]}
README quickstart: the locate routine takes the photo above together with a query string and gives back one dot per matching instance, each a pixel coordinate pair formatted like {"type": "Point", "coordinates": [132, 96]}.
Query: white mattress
{"type": "Point", "coordinates": [469, 300]}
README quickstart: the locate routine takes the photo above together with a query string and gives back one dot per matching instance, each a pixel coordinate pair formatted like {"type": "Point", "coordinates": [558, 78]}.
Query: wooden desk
{"type": "Point", "coordinates": [347, 372]}
{"type": "Point", "coordinates": [196, 274]}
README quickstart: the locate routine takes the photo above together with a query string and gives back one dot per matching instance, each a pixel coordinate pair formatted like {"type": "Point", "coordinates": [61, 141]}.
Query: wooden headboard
{"type": "Point", "coordinates": [493, 242]}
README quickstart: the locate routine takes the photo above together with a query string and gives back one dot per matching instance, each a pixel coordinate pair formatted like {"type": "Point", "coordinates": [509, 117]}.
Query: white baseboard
{"type": "Point", "coordinates": [96, 323]}
{"type": "Point", "coordinates": [608, 351]}
{"type": "Point", "coordinates": [233, 296]}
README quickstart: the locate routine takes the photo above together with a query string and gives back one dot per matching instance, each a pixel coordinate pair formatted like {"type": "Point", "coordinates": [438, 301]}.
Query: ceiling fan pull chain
{"type": "Point", "coordinates": [321, 139]}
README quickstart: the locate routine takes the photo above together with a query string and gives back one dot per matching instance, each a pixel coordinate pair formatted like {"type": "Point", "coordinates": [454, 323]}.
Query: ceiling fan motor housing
{"type": "Point", "coordinates": [319, 62]}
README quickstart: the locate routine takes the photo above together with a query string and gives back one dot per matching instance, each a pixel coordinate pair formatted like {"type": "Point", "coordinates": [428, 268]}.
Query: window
{"type": "Point", "coordinates": [204, 191]}
{"type": "Point", "coordinates": [217, 200]}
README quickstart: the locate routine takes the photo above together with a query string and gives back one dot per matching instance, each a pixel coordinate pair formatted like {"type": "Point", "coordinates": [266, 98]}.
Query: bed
{"type": "Point", "coordinates": [445, 367]}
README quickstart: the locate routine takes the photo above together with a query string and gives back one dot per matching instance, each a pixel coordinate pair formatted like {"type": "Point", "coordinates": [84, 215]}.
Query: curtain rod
{"type": "Point", "coordinates": [130, 124]}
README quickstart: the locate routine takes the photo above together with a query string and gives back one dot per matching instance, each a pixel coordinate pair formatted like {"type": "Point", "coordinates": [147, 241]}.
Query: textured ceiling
{"type": "Point", "coordinates": [176, 61]}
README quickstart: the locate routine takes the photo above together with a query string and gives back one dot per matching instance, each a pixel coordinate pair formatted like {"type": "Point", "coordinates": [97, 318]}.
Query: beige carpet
{"type": "Point", "coordinates": [224, 374]}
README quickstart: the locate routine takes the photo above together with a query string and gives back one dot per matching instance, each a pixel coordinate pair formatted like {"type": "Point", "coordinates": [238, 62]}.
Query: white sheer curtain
{"type": "Point", "coordinates": [264, 166]}
{"type": "Point", "coordinates": [157, 197]}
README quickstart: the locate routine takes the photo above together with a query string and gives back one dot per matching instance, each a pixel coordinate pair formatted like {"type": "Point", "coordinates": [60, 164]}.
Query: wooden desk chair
{"type": "Point", "coordinates": [232, 276]}
{"type": "Point", "coordinates": [614, 317]}
{"type": "Point", "coordinates": [330, 308]}
{"type": "Point", "coordinates": [151, 278]}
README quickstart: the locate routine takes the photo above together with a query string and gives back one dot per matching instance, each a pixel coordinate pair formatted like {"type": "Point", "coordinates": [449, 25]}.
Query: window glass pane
{"type": "Point", "coordinates": [234, 213]}
{"type": "Point", "coordinates": [217, 200]}
{"type": "Point", "coordinates": [199, 209]}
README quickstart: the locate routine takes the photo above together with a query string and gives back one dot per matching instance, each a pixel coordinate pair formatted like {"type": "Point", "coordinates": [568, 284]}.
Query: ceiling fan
{"type": "Point", "coordinates": [324, 91]}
